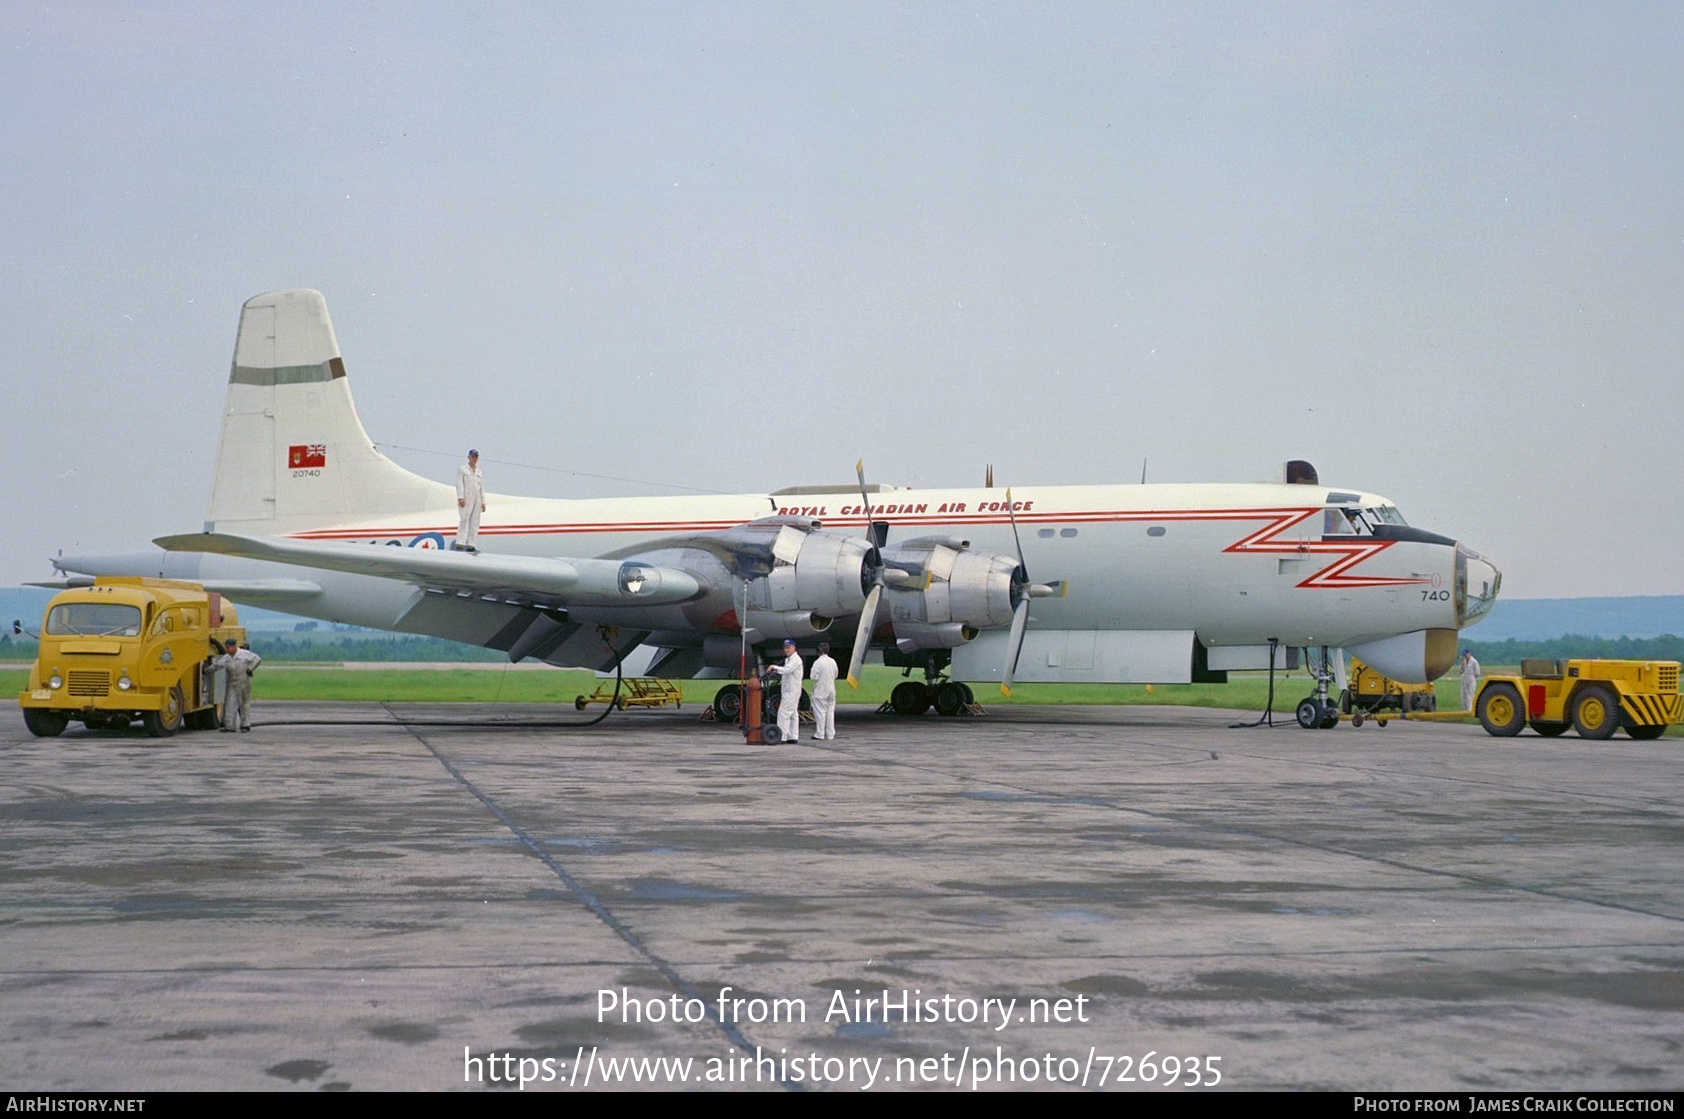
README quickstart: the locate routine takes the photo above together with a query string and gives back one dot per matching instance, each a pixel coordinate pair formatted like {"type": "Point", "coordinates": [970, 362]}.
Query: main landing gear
{"type": "Point", "coordinates": [948, 697]}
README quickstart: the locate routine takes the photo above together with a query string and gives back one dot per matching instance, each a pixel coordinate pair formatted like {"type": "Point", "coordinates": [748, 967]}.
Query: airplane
{"type": "Point", "coordinates": [1159, 583]}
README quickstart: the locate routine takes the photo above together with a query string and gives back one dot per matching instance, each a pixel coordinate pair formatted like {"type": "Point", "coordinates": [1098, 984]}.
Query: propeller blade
{"type": "Point", "coordinates": [1014, 645]}
{"type": "Point", "coordinates": [865, 498]}
{"type": "Point", "coordinates": [862, 636]}
{"type": "Point", "coordinates": [1015, 538]}
{"type": "Point", "coordinates": [868, 613]}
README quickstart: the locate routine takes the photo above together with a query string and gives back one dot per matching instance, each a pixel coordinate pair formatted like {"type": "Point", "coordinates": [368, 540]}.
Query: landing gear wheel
{"type": "Point", "coordinates": [1500, 711]}
{"type": "Point", "coordinates": [970, 696]}
{"type": "Point", "coordinates": [1596, 713]}
{"type": "Point", "coordinates": [1310, 714]}
{"type": "Point", "coordinates": [166, 720]}
{"type": "Point", "coordinates": [1550, 730]}
{"type": "Point", "coordinates": [949, 699]}
{"type": "Point", "coordinates": [1329, 717]}
{"type": "Point", "coordinates": [910, 698]}
{"type": "Point", "coordinates": [43, 723]}
{"type": "Point", "coordinates": [728, 702]}
{"type": "Point", "coordinates": [1647, 732]}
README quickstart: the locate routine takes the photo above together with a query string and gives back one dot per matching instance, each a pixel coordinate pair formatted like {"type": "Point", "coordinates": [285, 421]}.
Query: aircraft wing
{"type": "Point", "coordinates": [560, 582]}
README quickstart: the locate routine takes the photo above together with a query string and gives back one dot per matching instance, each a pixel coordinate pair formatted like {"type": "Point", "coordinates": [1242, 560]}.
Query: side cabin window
{"type": "Point", "coordinates": [176, 618]}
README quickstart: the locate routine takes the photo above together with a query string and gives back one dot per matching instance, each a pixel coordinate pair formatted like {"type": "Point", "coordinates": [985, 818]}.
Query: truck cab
{"type": "Point", "coordinates": [124, 649]}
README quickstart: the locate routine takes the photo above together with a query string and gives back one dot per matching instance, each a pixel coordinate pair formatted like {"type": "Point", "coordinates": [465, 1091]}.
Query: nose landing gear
{"type": "Point", "coordinates": [1316, 712]}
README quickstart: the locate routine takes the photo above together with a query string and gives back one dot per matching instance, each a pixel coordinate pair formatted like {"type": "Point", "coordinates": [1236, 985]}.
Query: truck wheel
{"type": "Point", "coordinates": [1596, 713]}
{"type": "Point", "coordinates": [167, 719]}
{"type": "Point", "coordinates": [1550, 730]}
{"type": "Point", "coordinates": [1500, 711]}
{"type": "Point", "coordinates": [43, 723]}
{"type": "Point", "coordinates": [1647, 732]}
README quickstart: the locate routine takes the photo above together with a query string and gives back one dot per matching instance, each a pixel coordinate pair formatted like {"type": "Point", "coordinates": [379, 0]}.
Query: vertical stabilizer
{"type": "Point", "coordinates": [293, 454]}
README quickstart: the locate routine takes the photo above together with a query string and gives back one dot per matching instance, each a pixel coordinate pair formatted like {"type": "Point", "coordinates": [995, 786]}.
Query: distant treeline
{"type": "Point", "coordinates": [1663, 648]}
{"type": "Point", "coordinates": [384, 647]}
{"type": "Point", "coordinates": [322, 647]}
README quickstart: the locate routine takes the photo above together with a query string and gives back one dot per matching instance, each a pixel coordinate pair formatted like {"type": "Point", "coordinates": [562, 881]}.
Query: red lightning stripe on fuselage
{"type": "Point", "coordinates": [1352, 552]}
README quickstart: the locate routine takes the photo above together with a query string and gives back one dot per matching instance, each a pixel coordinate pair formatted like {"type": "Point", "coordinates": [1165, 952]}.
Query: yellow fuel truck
{"type": "Point", "coordinates": [125, 649]}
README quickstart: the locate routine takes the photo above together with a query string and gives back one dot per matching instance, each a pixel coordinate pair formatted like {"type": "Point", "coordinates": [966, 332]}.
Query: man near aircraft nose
{"type": "Point", "coordinates": [470, 503]}
{"type": "Point", "coordinates": [789, 694]}
{"type": "Point", "coordinates": [1470, 679]}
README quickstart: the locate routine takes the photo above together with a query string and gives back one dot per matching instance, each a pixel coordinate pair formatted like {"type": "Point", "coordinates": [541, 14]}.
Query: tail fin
{"type": "Point", "coordinates": [293, 454]}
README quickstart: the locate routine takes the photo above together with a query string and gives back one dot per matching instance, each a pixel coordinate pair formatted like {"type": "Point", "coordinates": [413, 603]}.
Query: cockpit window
{"type": "Point", "coordinates": [1348, 520]}
{"type": "Point", "coordinates": [1344, 520]}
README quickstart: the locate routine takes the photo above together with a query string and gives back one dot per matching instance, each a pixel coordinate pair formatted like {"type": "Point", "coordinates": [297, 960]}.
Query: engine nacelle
{"type": "Point", "coordinates": [912, 636]}
{"type": "Point", "coordinates": [828, 575]}
{"type": "Point", "coordinates": [767, 624]}
{"type": "Point", "coordinates": [939, 595]}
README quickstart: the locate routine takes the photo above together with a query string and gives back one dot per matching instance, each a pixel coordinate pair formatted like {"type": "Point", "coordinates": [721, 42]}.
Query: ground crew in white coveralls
{"type": "Point", "coordinates": [239, 664]}
{"type": "Point", "coordinates": [1470, 679]}
{"type": "Point", "coordinates": [824, 694]}
{"type": "Point", "coordinates": [789, 694]}
{"type": "Point", "coordinates": [470, 503]}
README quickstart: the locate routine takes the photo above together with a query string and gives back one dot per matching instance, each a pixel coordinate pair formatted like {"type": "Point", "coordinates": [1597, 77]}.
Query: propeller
{"type": "Point", "coordinates": [1024, 590]}
{"type": "Point", "coordinates": [868, 612]}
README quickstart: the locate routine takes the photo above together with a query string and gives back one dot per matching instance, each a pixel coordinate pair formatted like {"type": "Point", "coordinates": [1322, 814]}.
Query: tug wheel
{"type": "Point", "coordinates": [1596, 713]}
{"type": "Point", "coordinates": [1500, 712]}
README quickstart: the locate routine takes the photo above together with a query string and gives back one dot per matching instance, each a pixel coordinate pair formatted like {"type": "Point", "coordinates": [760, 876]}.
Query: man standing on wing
{"type": "Point", "coordinates": [470, 503]}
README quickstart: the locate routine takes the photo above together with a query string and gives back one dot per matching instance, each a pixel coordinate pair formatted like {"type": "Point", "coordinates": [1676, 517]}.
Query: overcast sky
{"type": "Point", "coordinates": [1436, 249]}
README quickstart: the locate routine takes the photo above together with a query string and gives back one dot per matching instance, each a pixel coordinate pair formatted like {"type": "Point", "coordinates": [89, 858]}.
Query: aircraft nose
{"type": "Point", "coordinates": [1477, 583]}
